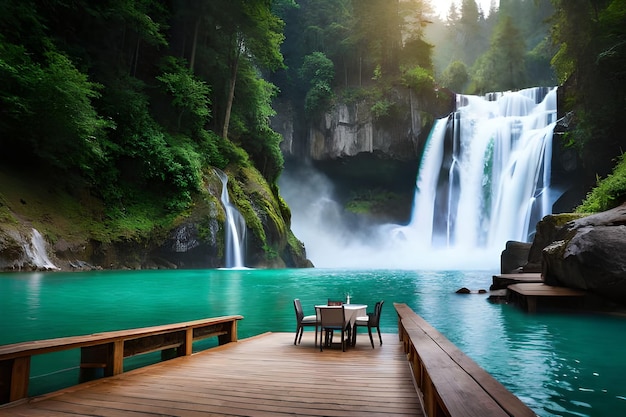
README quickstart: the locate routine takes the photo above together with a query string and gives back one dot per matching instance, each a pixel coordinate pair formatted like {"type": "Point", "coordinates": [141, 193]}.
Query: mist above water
{"type": "Point", "coordinates": [335, 239]}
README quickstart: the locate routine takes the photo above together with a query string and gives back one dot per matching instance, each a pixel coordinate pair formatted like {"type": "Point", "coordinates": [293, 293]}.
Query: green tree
{"type": "Point", "coordinates": [377, 35]}
{"type": "Point", "coordinates": [502, 67]}
{"type": "Point", "coordinates": [48, 111]}
{"type": "Point", "coordinates": [189, 95]}
{"type": "Point", "coordinates": [455, 77]}
{"type": "Point", "coordinates": [318, 71]}
{"type": "Point", "coordinates": [591, 37]}
{"type": "Point", "coordinates": [255, 30]}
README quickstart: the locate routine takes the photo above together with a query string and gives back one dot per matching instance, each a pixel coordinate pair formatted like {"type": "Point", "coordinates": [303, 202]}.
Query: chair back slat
{"type": "Point", "coordinates": [332, 316]}
{"type": "Point", "coordinates": [375, 317]}
{"type": "Point", "coordinates": [298, 307]}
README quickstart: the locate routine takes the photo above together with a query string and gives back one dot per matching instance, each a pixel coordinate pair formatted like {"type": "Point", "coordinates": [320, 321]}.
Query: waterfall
{"type": "Point", "coordinates": [234, 228]}
{"type": "Point", "coordinates": [484, 177]}
{"type": "Point", "coordinates": [36, 251]}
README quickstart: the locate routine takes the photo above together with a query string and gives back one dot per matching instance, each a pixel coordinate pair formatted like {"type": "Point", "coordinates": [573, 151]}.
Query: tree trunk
{"type": "Point", "coordinates": [231, 92]}
{"type": "Point", "coordinates": [192, 59]}
{"type": "Point", "coordinates": [229, 103]}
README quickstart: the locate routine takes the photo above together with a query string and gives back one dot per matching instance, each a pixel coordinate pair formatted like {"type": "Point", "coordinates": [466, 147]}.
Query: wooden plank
{"type": "Point", "coordinates": [522, 277]}
{"type": "Point", "coordinates": [498, 392]}
{"type": "Point", "coordinates": [462, 387]}
{"type": "Point", "coordinates": [108, 350]}
{"type": "Point", "coordinates": [500, 282]}
{"type": "Point", "coordinates": [64, 343]}
{"type": "Point", "coordinates": [543, 290]}
{"type": "Point", "coordinates": [261, 376]}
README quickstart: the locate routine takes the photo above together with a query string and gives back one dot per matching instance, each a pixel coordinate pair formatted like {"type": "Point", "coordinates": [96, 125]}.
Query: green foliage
{"type": "Point", "coordinates": [318, 71]}
{"type": "Point", "coordinates": [49, 109]}
{"type": "Point", "coordinates": [418, 79]}
{"type": "Point", "coordinates": [591, 58]}
{"type": "Point", "coordinates": [609, 193]}
{"type": "Point", "coordinates": [503, 66]}
{"type": "Point", "coordinates": [455, 77]}
{"type": "Point", "coordinates": [381, 108]}
{"type": "Point", "coordinates": [370, 202]}
{"type": "Point", "coordinates": [189, 94]}
{"type": "Point", "coordinates": [251, 123]}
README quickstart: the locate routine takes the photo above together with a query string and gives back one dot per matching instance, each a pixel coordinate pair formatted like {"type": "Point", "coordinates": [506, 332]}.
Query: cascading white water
{"type": "Point", "coordinates": [235, 229]}
{"type": "Point", "coordinates": [485, 172]}
{"type": "Point", "coordinates": [484, 179]}
{"type": "Point", "coordinates": [36, 251]}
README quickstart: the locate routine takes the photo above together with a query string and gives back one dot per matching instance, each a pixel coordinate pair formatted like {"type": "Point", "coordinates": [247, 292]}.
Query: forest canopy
{"type": "Point", "coordinates": [135, 98]}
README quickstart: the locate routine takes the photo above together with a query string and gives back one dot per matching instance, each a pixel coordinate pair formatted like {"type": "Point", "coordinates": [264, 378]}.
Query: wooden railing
{"type": "Point", "coordinates": [108, 350]}
{"type": "Point", "coordinates": [451, 384]}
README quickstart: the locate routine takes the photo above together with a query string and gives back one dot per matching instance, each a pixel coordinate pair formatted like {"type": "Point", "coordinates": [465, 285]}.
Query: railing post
{"type": "Point", "coordinates": [116, 364]}
{"type": "Point", "coordinates": [187, 347]}
{"type": "Point", "coordinates": [14, 376]}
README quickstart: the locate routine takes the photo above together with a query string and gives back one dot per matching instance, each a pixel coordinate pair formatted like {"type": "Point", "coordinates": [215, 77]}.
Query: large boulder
{"type": "Point", "coordinates": [590, 254]}
{"type": "Point", "coordinates": [545, 233]}
{"type": "Point", "coordinates": [514, 257]}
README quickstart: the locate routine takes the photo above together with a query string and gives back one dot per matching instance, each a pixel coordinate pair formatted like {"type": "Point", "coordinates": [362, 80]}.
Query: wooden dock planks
{"type": "Point", "coordinates": [502, 281]}
{"type": "Point", "coordinates": [262, 376]}
{"type": "Point", "coordinates": [528, 294]}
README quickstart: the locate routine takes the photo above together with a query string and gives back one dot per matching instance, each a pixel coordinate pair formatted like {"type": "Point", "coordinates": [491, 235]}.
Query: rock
{"type": "Point", "coordinates": [465, 290]}
{"type": "Point", "coordinates": [514, 257]}
{"type": "Point", "coordinates": [590, 254]}
{"type": "Point", "coordinates": [545, 234]}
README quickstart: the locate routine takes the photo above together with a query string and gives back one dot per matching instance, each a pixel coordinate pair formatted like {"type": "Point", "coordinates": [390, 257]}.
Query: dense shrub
{"type": "Point", "coordinates": [609, 193]}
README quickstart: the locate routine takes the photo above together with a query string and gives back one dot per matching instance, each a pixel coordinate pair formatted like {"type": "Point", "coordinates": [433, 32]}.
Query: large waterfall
{"type": "Point", "coordinates": [483, 179]}
{"type": "Point", "coordinates": [485, 172]}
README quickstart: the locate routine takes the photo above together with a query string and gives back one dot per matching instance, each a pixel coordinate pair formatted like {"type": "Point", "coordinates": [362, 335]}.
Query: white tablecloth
{"type": "Point", "coordinates": [352, 311]}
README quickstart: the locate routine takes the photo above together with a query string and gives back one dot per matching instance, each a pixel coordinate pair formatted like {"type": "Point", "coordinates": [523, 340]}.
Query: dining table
{"type": "Point", "coordinates": [351, 311]}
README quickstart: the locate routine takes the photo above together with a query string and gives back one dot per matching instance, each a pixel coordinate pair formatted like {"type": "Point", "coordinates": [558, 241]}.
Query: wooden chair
{"type": "Point", "coordinates": [332, 318]}
{"type": "Point", "coordinates": [302, 320]}
{"type": "Point", "coordinates": [334, 302]}
{"type": "Point", "coordinates": [372, 320]}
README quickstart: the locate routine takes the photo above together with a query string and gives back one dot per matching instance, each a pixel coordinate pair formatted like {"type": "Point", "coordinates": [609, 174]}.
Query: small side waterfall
{"type": "Point", "coordinates": [36, 252]}
{"type": "Point", "coordinates": [485, 172]}
{"type": "Point", "coordinates": [235, 229]}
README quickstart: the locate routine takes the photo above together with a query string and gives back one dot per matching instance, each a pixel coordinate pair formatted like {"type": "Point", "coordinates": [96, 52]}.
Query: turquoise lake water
{"type": "Point", "coordinates": [559, 364]}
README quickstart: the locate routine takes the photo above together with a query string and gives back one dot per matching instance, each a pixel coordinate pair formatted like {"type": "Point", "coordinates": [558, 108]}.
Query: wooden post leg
{"type": "Point", "coordinates": [20, 374]}
{"type": "Point", "coordinates": [231, 335]}
{"type": "Point", "coordinates": [187, 347]}
{"type": "Point", "coordinates": [116, 358]}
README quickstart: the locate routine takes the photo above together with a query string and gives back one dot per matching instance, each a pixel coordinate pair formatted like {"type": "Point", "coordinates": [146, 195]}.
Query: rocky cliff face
{"type": "Point", "coordinates": [364, 150]}
{"type": "Point", "coordinates": [192, 240]}
{"type": "Point", "coordinates": [351, 128]}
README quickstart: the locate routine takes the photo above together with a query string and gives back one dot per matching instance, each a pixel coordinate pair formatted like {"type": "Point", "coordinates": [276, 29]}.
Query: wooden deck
{"type": "Point", "coordinates": [502, 281]}
{"type": "Point", "coordinates": [528, 295]}
{"type": "Point", "coordinates": [262, 376]}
